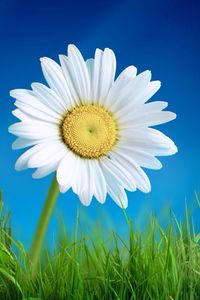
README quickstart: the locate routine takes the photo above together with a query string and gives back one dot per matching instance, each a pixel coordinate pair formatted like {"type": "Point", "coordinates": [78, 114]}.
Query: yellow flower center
{"type": "Point", "coordinates": [89, 130]}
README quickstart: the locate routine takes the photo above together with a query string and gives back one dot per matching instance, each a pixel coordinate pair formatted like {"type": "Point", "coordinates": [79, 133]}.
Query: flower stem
{"type": "Point", "coordinates": [43, 223]}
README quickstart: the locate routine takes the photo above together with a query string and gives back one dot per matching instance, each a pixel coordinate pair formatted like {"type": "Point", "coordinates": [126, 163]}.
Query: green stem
{"type": "Point", "coordinates": [43, 223]}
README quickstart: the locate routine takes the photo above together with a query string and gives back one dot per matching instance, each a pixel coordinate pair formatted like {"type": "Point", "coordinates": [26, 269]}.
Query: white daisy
{"type": "Point", "coordinates": [93, 130]}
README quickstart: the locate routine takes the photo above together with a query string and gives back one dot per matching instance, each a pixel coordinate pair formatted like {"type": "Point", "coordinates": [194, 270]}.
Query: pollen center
{"type": "Point", "coordinates": [89, 131]}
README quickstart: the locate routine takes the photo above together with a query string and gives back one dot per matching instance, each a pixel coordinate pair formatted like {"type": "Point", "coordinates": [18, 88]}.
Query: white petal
{"type": "Point", "coordinates": [154, 148]}
{"type": "Point", "coordinates": [65, 172]}
{"type": "Point", "coordinates": [21, 143]}
{"type": "Point", "coordinates": [146, 160]}
{"type": "Point", "coordinates": [141, 179]}
{"type": "Point", "coordinates": [131, 91]}
{"type": "Point", "coordinates": [22, 116]}
{"type": "Point", "coordinates": [167, 145]}
{"type": "Point", "coordinates": [147, 119]}
{"type": "Point", "coordinates": [50, 152]}
{"type": "Point", "coordinates": [142, 158]}
{"type": "Point", "coordinates": [85, 197]}
{"type": "Point", "coordinates": [131, 110]}
{"type": "Point", "coordinates": [79, 72]}
{"type": "Point", "coordinates": [100, 189]}
{"type": "Point", "coordinates": [123, 176]}
{"type": "Point", "coordinates": [103, 74]}
{"type": "Point", "coordinates": [146, 139]}
{"type": "Point", "coordinates": [28, 97]}
{"type": "Point", "coordinates": [36, 114]}
{"type": "Point", "coordinates": [36, 130]}
{"type": "Point", "coordinates": [47, 169]}
{"type": "Point", "coordinates": [65, 65]}
{"type": "Point", "coordinates": [71, 172]}
{"type": "Point", "coordinates": [21, 163]}
{"type": "Point", "coordinates": [80, 174]}
{"type": "Point", "coordinates": [88, 191]}
{"type": "Point", "coordinates": [107, 74]}
{"type": "Point", "coordinates": [159, 135]}
{"type": "Point", "coordinates": [90, 66]}
{"type": "Point", "coordinates": [56, 80]}
{"type": "Point", "coordinates": [120, 84]}
{"type": "Point", "coordinates": [28, 102]}
{"type": "Point", "coordinates": [148, 92]}
{"type": "Point", "coordinates": [140, 82]}
{"type": "Point", "coordinates": [49, 97]}
{"type": "Point", "coordinates": [64, 188]}
{"type": "Point", "coordinates": [96, 74]}
{"type": "Point", "coordinates": [115, 191]}
{"type": "Point", "coordinates": [154, 106]}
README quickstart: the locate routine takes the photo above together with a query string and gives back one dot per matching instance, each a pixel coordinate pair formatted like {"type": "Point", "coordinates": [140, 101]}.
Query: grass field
{"type": "Point", "coordinates": [156, 263]}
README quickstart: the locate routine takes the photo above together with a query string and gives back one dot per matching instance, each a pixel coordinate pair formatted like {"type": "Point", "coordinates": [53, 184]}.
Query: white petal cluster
{"type": "Point", "coordinates": [76, 82]}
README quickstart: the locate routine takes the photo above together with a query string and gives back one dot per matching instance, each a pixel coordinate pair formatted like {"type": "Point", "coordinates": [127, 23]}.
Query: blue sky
{"type": "Point", "coordinates": [162, 36]}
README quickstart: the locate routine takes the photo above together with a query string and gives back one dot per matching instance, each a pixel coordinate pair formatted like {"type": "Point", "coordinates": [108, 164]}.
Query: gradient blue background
{"type": "Point", "coordinates": [162, 36]}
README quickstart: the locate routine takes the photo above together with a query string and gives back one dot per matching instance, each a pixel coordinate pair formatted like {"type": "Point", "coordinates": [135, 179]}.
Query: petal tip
{"type": "Point", "coordinates": [13, 146]}
{"type": "Point", "coordinates": [125, 206]}
{"type": "Point", "coordinates": [12, 93]}
{"type": "Point", "coordinates": [34, 176]}
{"type": "Point", "coordinates": [72, 48]}
{"type": "Point", "coordinates": [17, 167]}
{"type": "Point", "coordinates": [149, 72]}
{"type": "Point", "coordinates": [10, 129]}
{"type": "Point", "coordinates": [35, 85]}
{"type": "Point", "coordinates": [174, 115]}
{"type": "Point", "coordinates": [63, 189]}
{"type": "Point", "coordinates": [174, 149]}
{"type": "Point", "coordinates": [44, 59]}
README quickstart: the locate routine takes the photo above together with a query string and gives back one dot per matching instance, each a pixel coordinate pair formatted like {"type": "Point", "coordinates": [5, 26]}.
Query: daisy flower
{"type": "Point", "coordinates": [93, 129]}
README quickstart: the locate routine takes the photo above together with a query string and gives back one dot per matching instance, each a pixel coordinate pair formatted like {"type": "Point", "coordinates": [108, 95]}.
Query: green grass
{"type": "Point", "coordinates": [156, 263]}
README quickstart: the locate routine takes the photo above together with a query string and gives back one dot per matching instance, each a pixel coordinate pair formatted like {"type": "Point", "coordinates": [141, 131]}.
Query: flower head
{"type": "Point", "coordinates": [93, 130]}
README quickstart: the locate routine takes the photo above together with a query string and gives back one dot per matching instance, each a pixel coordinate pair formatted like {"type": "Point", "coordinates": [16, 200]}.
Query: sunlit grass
{"type": "Point", "coordinates": [156, 263]}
